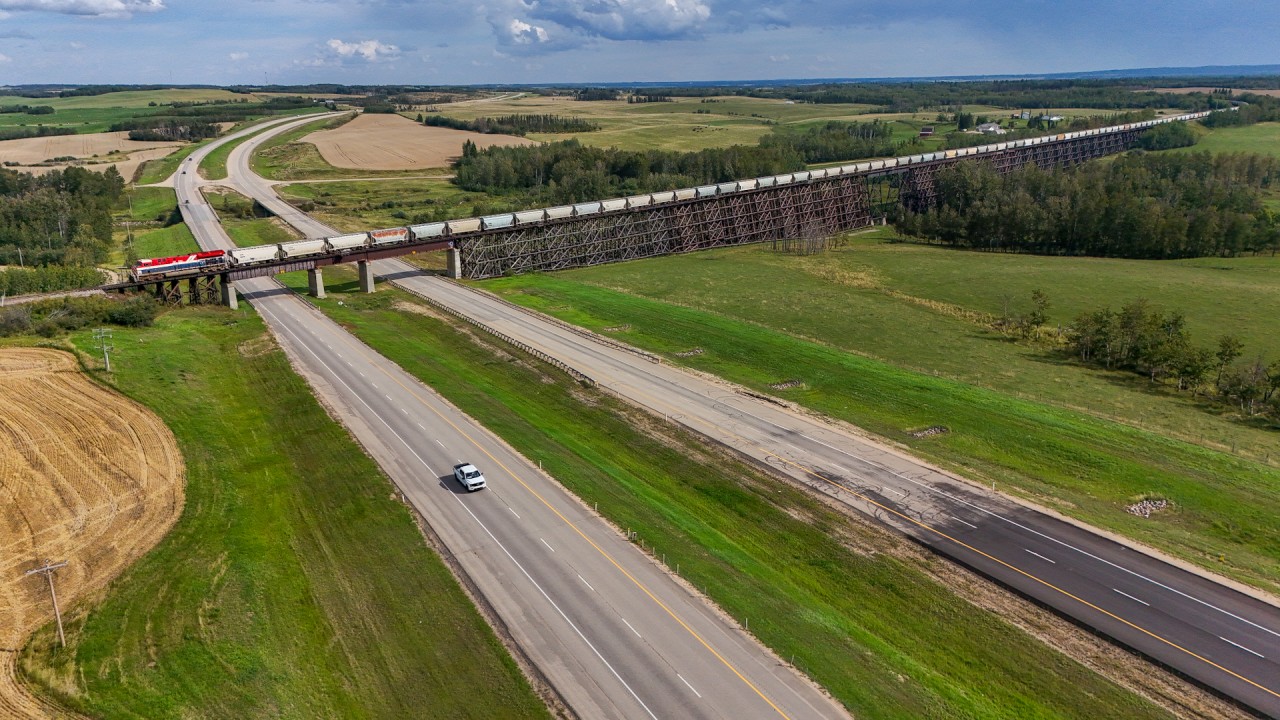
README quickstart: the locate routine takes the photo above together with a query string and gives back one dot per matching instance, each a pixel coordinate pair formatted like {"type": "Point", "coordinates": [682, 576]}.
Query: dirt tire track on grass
{"type": "Point", "coordinates": [87, 476]}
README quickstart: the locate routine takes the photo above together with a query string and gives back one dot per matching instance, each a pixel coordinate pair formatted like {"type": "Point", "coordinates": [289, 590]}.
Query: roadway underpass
{"type": "Point", "coordinates": [607, 627]}
{"type": "Point", "coordinates": [1224, 638]}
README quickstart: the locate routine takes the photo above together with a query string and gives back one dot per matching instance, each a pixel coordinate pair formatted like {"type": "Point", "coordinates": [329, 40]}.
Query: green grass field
{"type": "Point", "coordinates": [361, 205]}
{"type": "Point", "coordinates": [882, 352]}
{"type": "Point", "coordinates": [292, 586]}
{"type": "Point", "coordinates": [96, 113]}
{"type": "Point", "coordinates": [149, 206]}
{"type": "Point", "coordinates": [1260, 138]}
{"type": "Point", "coordinates": [875, 630]}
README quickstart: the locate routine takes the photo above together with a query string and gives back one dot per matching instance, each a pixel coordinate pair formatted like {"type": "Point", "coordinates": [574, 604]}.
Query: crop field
{"type": "Point", "coordinates": [94, 478]}
{"type": "Point", "coordinates": [881, 336]}
{"type": "Point", "coordinates": [285, 157]}
{"type": "Point", "coordinates": [293, 585]}
{"type": "Point", "coordinates": [393, 142]}
{"type": "Point", "coordinates": [881, 629]}
{"type": "Point", "coordinates": [96, 113]}
{"type": "Point", "coordinates": [95, 152]}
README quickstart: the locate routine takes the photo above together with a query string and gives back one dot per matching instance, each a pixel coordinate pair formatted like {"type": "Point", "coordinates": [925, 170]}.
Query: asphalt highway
{"type": "Point", "coordinates": [611, 630]}
{"type": "Point", "coordinates": [1223, 638]}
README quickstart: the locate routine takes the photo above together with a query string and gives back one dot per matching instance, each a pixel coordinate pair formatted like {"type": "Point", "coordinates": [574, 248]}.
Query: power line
{"type": "Point", "coordinates": [47, 571]}
{"type": "Point", "coordinates": [102, 340]}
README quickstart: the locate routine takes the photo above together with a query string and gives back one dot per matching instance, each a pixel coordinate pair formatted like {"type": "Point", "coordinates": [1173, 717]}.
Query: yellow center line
{"type": "Point", "coordinates": [961, 543]}
{"type": "Point", "coordinates": [365, 351]}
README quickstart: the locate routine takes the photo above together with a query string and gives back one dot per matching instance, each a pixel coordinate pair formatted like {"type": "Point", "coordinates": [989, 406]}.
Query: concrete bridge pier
{"type": "Point", "coordinates": [366, 276]}
{"type": "Point", "coordinates": [315, 283]}
{"type": "Point", "coordinates": [453, 264]}
{"type": "Point", "coordinates": [228, 293]}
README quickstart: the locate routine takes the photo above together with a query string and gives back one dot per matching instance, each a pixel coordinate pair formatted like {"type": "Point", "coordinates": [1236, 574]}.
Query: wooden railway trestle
{"type": "Point", "coordinates": [826, 205]}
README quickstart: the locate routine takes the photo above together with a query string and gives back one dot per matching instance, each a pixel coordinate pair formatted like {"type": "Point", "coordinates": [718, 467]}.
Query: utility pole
{"type": "Point", "coordinates": [102, 337]}
{"type": "Point", "coordinates": [47, 571]}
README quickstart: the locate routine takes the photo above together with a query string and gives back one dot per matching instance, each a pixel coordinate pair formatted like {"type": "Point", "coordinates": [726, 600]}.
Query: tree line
{"type": "Point", "coordinates": [1143, 339]}
{"type": "Point", "coordinates": [834, 141]}
{"type": "Point", "coordinates": [48, 278]}
{"type": "Point", "coordinates": [513, 124]}
{"type": "Point", "coordinates": [60, 315]}
{"type": "Point", "coordinates": [569, 172]}
{"type": "Point", "coordinates": [62, 217]}
{"type": "Point", "coordinates": [1141, 205]}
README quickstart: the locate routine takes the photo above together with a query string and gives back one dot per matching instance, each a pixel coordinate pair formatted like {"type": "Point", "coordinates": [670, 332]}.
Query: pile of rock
{"type": "Point", "coordinates": [1145, 508]}
{"type": "Point", "coordinates": [787, 384]}
{"type": "Point", "coordinates": [690, 353]}
{"type": "Point", "coordinates": [930, 431]}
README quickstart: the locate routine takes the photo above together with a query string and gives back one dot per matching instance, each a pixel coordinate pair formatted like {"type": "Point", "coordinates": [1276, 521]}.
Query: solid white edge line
{"type": "Point", "coordinates": [992, 513]}
{"type": "Point", "coordinates": [478, 522]}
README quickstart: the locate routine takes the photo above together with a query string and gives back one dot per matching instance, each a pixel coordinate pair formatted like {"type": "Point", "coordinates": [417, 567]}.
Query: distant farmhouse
{"type": "Point", "coordinates": [991, 129]}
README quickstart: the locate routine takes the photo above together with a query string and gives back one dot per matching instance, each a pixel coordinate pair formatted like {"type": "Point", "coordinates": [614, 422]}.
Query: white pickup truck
{"type": "Point", "coordinates": [469, 476]}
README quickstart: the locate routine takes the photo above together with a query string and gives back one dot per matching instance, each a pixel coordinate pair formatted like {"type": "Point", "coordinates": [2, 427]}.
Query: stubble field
{"type": "Point", "coordinates": [88, 477]}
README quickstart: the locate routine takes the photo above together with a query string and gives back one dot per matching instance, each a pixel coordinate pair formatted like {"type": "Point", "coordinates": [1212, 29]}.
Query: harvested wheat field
{"type": "Point", "coordinates": [86, 476]}
{"type": "Point", "coordinates": [394, 142]}
{"type": "Point", "coordinates": [95, 151]}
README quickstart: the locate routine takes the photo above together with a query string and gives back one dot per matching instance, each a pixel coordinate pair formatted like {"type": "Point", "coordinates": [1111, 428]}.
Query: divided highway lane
{"type": "Point", "coordinates": [1223, 638]}
{"type": "Point", "coordinates": [612, 632]}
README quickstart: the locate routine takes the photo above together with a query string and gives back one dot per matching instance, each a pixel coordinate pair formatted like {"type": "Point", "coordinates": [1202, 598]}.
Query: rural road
{"type": "Point", "coordinates": [1223, 638]}
{"type": "Point", "coordinates": [609, 628]}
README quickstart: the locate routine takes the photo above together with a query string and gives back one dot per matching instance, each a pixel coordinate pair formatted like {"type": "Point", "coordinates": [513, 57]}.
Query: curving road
{"type": "Point", "coordinates": [613, 633]}
{"type": "Point", "coordinates": [1206, 629]}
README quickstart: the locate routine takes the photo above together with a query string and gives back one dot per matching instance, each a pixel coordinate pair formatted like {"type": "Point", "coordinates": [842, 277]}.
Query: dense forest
{"type": "Point", "coordinates": [834, 141]}
{"type": "Point", "coordinates": [1142, 205]}
{"type": "Point", "coordinates": [513, 124]}
{"type": "Point", "coordinates": [568, 172]}
{"type": "Point", "coordinates": [63, 217]}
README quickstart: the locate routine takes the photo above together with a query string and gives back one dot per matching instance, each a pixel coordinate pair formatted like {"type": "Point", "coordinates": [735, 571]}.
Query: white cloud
{"type": "Point", "coordinates": [367, 50]}
{"type": "Point", "coordinates": [522, 33]}
{"type": "Point", "coordinates": [76, 45]}
{"type": "Point", "coordinates": [5, 58]}
{"type": "Point", "coordinates": [94, 8]}
{"type": "Point", "coordinates": [779, 58]}
{"type": "Point", "coordinates": [238, 56]}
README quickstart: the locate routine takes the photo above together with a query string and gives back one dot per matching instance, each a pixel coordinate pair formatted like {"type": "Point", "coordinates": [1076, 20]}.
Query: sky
{"type": "Point", "coordinates": [438, 42]}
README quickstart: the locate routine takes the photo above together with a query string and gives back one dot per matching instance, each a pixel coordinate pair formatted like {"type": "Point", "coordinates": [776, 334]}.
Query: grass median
{"type": "Point", "coordinates": [760, 323]}
{"type": "Point", "coordinates": [870, 626]}
{"type": "Point", "coordinates": [293, 585]}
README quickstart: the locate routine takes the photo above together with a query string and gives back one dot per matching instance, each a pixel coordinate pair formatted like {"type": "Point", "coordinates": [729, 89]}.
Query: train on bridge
{"type": "Point", "coordinates": [203, 263]}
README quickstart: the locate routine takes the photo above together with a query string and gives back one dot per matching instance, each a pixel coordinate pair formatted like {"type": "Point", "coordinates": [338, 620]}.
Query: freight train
{"type": "Point", "coordinates": [184, 265]}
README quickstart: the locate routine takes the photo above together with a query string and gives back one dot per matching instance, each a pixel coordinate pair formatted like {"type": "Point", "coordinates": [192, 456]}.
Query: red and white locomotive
{"type": "Point", "coordinates": [160, 268]}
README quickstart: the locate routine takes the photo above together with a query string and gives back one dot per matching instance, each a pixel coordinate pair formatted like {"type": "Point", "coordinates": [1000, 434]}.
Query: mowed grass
{"type": "Point", "coordinates": [868, 625]}
{"type": "Point", "coordinates": [1261, 138]}
{"type": "Point", "coordinates": [893, 363]}
{"type": "Point", "coordinates": [292, 585]}
{"type": "Point", "coordinates": [236, 214]}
